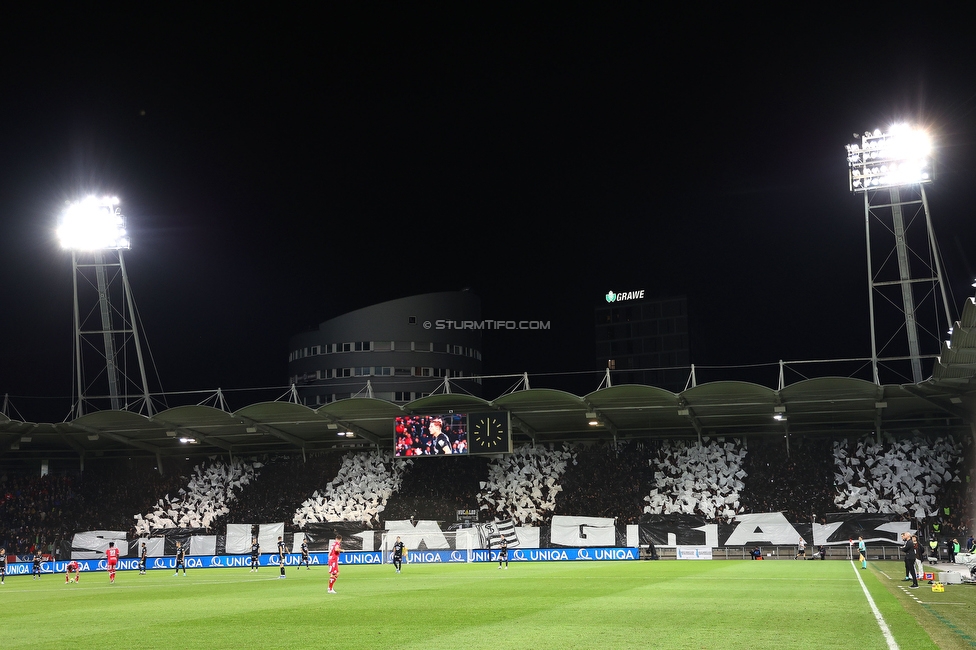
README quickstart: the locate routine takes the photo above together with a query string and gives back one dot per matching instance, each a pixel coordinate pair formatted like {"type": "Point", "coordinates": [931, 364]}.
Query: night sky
{"type": "Point", "coordinates": [280, 169]}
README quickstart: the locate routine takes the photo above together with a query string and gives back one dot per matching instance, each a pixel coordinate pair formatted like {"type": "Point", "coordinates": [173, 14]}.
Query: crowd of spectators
{"type": "Point", "coordinates": [907, 476]}
{"type": "Point", "coordinates": [956, 513]}
{"type": "Point", "coordinates": [608, 480]}
{"type": "Point", "coordinates": [32, 512]}
{"type": "Point", "coordinates": [285, 482]}
{"type": "Point", "coordinates": [205, 497]}
{"type": "Point", "coordinates": [38, 512]}
{"type": "Point", "coordinates": [113, 491]}
{"type": "Point", "coordinates": [797, 481]}
{"type": "Point", "coordinates": [523, 486]}
{"type": "Point", "coordinates": [435, 489]}
{"type": "Point", "coordinates": [528, 486]}
{"type": "Point", "coordinates": [703, 478]}
{"type": "Point", "coordinates": [957, 502]}
{"type": "Point", "coordinates": [358, 493]}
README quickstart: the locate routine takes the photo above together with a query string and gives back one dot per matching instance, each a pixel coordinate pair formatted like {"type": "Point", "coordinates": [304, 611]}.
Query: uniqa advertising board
{"type": "Point", "coordinates": [362, 557]}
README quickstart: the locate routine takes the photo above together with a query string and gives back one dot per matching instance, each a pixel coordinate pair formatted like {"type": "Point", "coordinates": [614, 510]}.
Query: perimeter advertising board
{"type": "Point", "coordinates": [364, 557]}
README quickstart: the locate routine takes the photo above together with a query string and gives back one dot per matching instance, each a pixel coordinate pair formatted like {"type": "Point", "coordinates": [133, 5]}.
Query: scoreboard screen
{"type": "Point", "coordinates": [430, 435]}
{"type": "Point", "coordinates": [451, 434]}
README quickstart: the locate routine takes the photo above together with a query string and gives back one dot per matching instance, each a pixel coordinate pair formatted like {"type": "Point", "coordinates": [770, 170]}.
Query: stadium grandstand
{"type": "Point", "coordinates": [714, 452]}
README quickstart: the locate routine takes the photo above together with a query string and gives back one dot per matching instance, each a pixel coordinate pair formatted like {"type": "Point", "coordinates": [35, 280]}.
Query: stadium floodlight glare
{"type": "Point", "coordinates": [900, 156]}
{"type": "Point", "coordinates": [93, 224]}
{"type": "Point", "coordinates": [891, 169]}
{"type": "Point", "coordinates": [93, 230]}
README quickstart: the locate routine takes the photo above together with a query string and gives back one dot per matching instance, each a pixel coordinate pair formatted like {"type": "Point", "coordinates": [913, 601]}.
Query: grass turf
{"type": "Point", "coordinates": [948, 617]}
{"type": "Point", "coordinates": [694, 604]}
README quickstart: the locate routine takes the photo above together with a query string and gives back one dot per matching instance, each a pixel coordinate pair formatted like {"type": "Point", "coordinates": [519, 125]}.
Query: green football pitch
{"type": "Point", "coordinates": [665, 604]}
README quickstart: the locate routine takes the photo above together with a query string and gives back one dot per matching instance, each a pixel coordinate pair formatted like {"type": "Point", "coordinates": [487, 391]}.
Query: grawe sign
{"type": "Point", "coordinates": [625, 295]}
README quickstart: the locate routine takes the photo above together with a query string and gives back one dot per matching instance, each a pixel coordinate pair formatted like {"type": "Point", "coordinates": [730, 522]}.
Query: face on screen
{"type": "Point", "coordinates": [430, 435]}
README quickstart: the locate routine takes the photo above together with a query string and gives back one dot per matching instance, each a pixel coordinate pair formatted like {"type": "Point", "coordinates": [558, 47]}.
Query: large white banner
{"type": "Point", "coordinates": [155, 546]}
{"type": "Point", "coordinates": [468, 538]}
{"type": "Point", "coordinates": [268, 535]}
{"type": "Point", "coordinates": [425, 531]}
{"type": "Point", "coordinates": [92, 544]}
{"type": "Point", "coordinates": [238, 539]}
{"type": "Point", "coordinates": [582, 531]}
{"type": "Point", "coordinates": [633, 535]}
{"type": "Point", "coordinates": [528, 536]}
{"type": "Point", "coordinates": [203, 545]}
{"type": "Point", "coordinates": [763, 528]}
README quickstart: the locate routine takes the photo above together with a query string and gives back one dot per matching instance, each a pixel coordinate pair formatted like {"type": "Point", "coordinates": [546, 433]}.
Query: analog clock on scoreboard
{"type": "Point", "coordinates": [489, 433]}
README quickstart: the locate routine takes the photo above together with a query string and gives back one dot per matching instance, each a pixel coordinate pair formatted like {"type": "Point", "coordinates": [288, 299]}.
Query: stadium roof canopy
{"type": "Point", "coordinates": [830, 406]}
{"type": "Point", "coordinates": [815, 407]}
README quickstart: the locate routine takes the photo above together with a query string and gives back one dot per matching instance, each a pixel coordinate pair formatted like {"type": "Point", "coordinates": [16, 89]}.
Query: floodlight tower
{"type": "Point", "coordinates": [93, 229]}
{"type": "Point", "coordinates": [891, 169]}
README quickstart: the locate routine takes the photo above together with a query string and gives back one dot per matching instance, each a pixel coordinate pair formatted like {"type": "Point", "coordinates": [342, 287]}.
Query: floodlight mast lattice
{"type": "Point", "coordinates": [93, 229]}
{"type": "Point", "coordinates": [891, 170]}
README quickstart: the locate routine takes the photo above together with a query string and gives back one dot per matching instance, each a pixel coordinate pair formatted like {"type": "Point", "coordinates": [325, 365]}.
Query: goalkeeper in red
{"type": "Point", "coordinates": [334, 562]}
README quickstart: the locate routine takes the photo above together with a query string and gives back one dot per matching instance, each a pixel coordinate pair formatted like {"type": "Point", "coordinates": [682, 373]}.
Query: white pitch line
{"type": "Point", "coordinates": [885, 631]}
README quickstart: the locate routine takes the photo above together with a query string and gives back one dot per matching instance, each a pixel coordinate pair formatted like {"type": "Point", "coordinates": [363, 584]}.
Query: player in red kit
{"type": "Point", "coordinates": [334, 562]}
{"type": "Point", "coordinates": [72, 567]}
{"type": "Point", "coordinates": [111, 559]}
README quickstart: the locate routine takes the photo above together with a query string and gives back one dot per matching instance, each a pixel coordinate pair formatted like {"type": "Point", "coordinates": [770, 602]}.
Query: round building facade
{"type": "Point", "coordinates": [400, 350]}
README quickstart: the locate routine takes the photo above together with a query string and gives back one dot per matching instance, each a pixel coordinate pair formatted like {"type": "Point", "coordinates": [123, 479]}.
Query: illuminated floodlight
{"type": "Point", "coordinates": [93, 224]}
{"type": "Point", "coordinates": [891, 169]}
{"type": "Point", "coordinates": [901, 156]}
